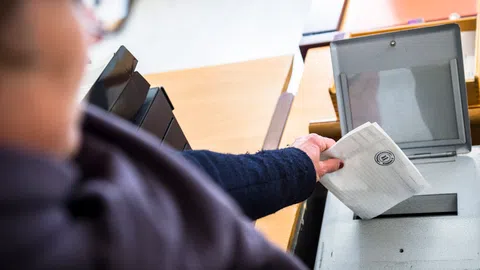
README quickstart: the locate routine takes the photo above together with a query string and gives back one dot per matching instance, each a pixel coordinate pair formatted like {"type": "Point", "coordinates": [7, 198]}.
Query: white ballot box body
{"type": "Point", "coordinates": [445, 240]}
{"type": "Point", "coordinates": [420, 101]}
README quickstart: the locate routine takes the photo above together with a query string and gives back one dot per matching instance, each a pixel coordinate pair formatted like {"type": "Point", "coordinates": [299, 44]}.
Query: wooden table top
{"type": "Point", "coordinates": [361, 15]}
{"type": "Point", "coordinates": [226, 108]}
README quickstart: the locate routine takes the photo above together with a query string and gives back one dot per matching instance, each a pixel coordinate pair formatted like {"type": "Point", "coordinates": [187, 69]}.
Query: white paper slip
{"type": "Point", "coordinates": [377, 174]}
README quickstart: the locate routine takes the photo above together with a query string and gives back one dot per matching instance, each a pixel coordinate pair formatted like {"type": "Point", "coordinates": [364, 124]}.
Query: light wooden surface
{"type": "Point", "coordinates": [477, 42]}
{"type": "Point", "coordinates": [311, 103]}
{"type": "Point", "coordinates": [364, 15]}
{"type": "Point", "coordinates": [226, 108]}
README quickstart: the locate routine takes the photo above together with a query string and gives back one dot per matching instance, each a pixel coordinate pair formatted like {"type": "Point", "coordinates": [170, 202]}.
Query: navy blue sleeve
{"type": "Point", "coordinates": [261, 183]}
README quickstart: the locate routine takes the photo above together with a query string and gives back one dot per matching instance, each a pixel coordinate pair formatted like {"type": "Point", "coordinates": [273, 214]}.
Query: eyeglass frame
{"type": "Point", "coordinates": [101, 31]}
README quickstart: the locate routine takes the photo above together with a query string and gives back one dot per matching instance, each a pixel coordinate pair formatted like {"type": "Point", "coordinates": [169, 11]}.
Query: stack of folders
{"type": "Point", "coordinates": [377, 174]}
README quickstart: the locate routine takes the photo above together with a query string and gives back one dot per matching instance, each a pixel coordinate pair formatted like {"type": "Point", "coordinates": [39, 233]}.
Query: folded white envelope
{"type": "Point", "coordinates": [377, 174]}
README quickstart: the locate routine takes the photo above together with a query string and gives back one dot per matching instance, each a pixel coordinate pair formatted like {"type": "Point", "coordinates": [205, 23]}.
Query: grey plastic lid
{"type": "Point", "coordinates": [411, 83]}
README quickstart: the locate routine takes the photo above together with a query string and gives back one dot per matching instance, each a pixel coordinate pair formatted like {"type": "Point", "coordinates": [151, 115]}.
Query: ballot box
{"type": "Point", "coordinates": [412, 83]}
{"type": "Point", "coordinates": [470, 43]}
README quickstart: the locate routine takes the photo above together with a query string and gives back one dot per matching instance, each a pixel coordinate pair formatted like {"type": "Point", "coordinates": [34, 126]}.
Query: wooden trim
{"type": "Point", "coordinates": [466, 24]}
{"type": "Point", "coordinates": [477, 42]}
{"type": "Point", "coordinates": [343, 16]}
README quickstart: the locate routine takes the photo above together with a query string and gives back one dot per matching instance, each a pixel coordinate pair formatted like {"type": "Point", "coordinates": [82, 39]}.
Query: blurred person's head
{"type": "Point", "coordinates": [43, 53]}
{"type": "Point", "coordinates": [42, 58]}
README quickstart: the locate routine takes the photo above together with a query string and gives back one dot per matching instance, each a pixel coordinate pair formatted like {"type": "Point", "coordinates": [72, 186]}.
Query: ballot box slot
{"type": "Point", "coordinates": [449, 154]}
{"type": "Point", "coordinates": [423, 206]}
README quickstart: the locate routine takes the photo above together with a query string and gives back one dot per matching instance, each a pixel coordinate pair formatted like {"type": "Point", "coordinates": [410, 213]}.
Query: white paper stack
{"type": "Point", "coordinates": [377, 174]}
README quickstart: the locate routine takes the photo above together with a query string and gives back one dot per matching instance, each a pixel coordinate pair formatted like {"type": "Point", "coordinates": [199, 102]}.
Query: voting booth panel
{"type": "Point", "coordinates": [124, 92]}
{"type": "Point", "coordinates": [412, 83]}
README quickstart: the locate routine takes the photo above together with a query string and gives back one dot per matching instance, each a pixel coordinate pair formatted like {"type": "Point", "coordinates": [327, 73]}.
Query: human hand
{"type": "Point", "coordinates": [313, 145]}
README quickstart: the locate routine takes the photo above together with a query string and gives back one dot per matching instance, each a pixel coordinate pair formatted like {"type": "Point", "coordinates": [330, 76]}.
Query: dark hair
{"type": "Point", "coordinates": [8, 56]}
{"type": "Point", "coordinates": [7, 10]}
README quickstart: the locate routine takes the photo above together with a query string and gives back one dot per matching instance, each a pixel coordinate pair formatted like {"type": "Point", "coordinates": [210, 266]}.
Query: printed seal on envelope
{"type": "Point", "coordinates": [384, 158]}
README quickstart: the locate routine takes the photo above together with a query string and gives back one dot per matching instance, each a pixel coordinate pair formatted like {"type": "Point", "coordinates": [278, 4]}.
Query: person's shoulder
{"type": "Point", "coordinates": [146, 152]}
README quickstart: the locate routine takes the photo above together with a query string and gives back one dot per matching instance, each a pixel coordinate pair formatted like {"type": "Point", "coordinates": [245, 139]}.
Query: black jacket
{"type": "Point", "coordinates": [127, 203]}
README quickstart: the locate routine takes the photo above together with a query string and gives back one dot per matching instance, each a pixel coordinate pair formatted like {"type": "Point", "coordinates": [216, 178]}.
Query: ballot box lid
{"type": "Point", "coordinates": [411, 83]}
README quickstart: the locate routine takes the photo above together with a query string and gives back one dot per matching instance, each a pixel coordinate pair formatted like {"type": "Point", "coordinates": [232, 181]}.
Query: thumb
{"type": "Point", "coordinates": [330, 165]}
